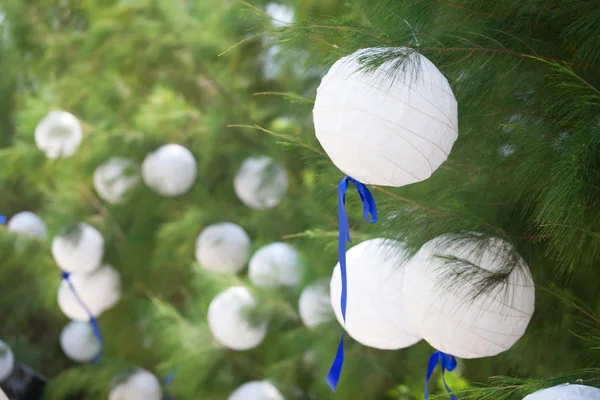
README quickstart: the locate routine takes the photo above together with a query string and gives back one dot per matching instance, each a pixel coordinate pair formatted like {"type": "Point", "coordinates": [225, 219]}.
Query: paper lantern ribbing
{"type": "Point", "coordinates": [58, 134]}
{"type": "Point", "coordinates": [78, 342]}
{"type": "Point", "coordinates": [28, 224]}
{"type": "Point", "coordinates": [314, 305]}
{"type": "Point", "coordinates": [113, 178]}
{"type": "Point", "coordinates": [256, 390]}
{"type": "Point", "coordinates": [260, 183]}
{"type": "Point", "coordinates": [79, 251]}
{"type": "Point", "coordinates": [566, 392]}
{"type": "Point", "coordinates": [223, 247]}
{"type": "Point", "coordinates": [375, 314]}
{"type": "Point", "coordinates": [386, 128]}
{"type": "Point", "coordinates": [7, 361]}
{"type": "Point", "coordinates": [228, 323]}
{"type": "Point", "coordinates": [275, 264]}
{"type": "Point", "coordinates": [142, 385]}
{"type": "Point", "coordinates": [446, 311]}
{"type": "Point", "coordinates": [170, 171]}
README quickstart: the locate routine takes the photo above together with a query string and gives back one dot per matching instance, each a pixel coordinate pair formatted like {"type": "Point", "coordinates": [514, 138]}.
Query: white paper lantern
{"type": "Point", "coordinates": [281, 15]}
{"type": "Point", "coordinates": [314, 305]}
{"type": "Point", "coordinates": [260, 183]}
{"type": "Point", "coordinates": [228, 323]}
{"type": "Point", "coordinates": [7, 361]}
{"type": "Point", "coordinates": [375, 315]}
{"type": "Point", "coordinates": [170, 171]}
{"type": "Point", "coordinates": [28, 224]}
{"type": "Point", "coordinates": [566, 392]}
{"type": "Point", "coordinates": [99, 291]}
{"type": "Point", "coordinates": [58, 134]}
{"type": "Point", "coordinates": [256, 390]}
{"type": "Point", "coordinates": [79, 251]}
{"type": "Point", "coordinates": [223, 247]}
{"type": "Point", "coordinates": [78, 342]}
{"type": "Point", "coordinates": [142, 385]}
{"type": "Point", "coordinates": [386, 128]}
{"type": "Point", "coordinates": [443, 308]}
{"type": "Point", "coordinates": [113, 178]}
{"type": "Point", "coordinates": [275, 264]}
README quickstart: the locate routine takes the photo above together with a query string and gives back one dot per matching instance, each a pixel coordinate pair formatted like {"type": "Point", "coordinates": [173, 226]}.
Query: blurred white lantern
{"type": "Point", "coordinates": [256, 390]}
{"type": "Point", "coordinates": [566, 392]}
{"type": "Point", "coordinates": [78, 342]}
{"type": "Point", "coordinates": [281, 15]}
{"type": "Point", "coordinates": [58, 134]}
{"type": "Point", "coordinates": [99, 291]}
{"type": "Point", "coordinates": [27, 223]}
{"type": "Point", "coordinates": [375, 314]}
{"type": "Point", "coordinates": [223, 247]}
{"type": "Point", "coordinates": [113, 178]}
{"type": "Point", "coordinates": [440, 285]}
{"type": "Point", "coordinates": [170, 171]}
{"type": "Point", "coordinates": [79, 251]}
{"type": "Point", "coordinates": [7, 361]}
{"type": "Point", "coordinates": [275, 264]}
{"type": "Point", "coordinates": [228, 322]}
{"type": "Point", "coordinates": [142, 385]}
{"type": "Point", "coordinates": [391, 126]}
{"type": "Point", "coordinates": [260, 183]}
{"type": "Point", "coordinates": [314, 305]}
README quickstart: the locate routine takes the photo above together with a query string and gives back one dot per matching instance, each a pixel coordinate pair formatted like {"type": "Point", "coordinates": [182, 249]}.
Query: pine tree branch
{"type": "Point", "coordinates": [279, 135]}
{"type": "Point", "coordinates": [571, 303]}
{"type": "Point", "coordinates": [468, 9]}
{"type": "Point", "coordinates": [293, 96]}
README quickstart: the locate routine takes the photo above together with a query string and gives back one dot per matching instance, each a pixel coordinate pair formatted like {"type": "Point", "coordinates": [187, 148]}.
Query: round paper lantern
{"type": "Point", "coordinates": [281, 15]}
{"type": "Point", "coordinates": [375, 315]}
{"type": "Point", "coordinates": [275, 264]}
{"type": "Point", "coordinates": [142, 385]}
{"type": "Point", "coordinates": [28, 224]}
{"type": "Point", "coordinates": [7, 361]}
{"type": "Point", "coordinates": [566, 392]}
{"type": "Point", "coordinates": [99, 291]}
{"type": "Point", "coordinates": [113, 178]}
{"type": "Point", "coordinates": [170, 171]}
{"type": "Point", "coordinates": [78, 342]}
{"type": "Point", "coordinates": [391, 126]}
{"type": "Point", "coordinates": [260, 183]}
{"type": "Point", "coordinates": [223, 247]}
{"type": "Point", "coordinates": [444, 308]}
{"type": "Point", "coordinates": [79, 251]}
{"type": "Point", "coordinates": [256, 390]}
{"type": "Point", "coordinates": [314, 305]}
{"type": "Point", "coordinates": [228, 323]}
{"type": "Point", "coordinates": [58, 134]}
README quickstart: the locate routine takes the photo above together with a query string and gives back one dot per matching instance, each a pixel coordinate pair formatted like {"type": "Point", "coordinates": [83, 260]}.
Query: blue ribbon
{"type": "Point", "coordinates": [447, 363]}
{"type": "Point", "coordinates": [369, 208]}
{"type": "Point", "coordinates": [167, 382]}
{"type": "Point", "coordinates": [95, 328]}
{"type": "Point", "coordinates": [2, 219]}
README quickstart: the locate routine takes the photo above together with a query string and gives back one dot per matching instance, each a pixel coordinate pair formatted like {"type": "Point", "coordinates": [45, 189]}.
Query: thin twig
{"type": "Point", "coordinates": [291, 139]}
{"type": "Point", "coordinates": [572, 304]}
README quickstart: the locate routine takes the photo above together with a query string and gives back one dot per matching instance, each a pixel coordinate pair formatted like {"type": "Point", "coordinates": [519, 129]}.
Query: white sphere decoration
{"type": "Point", "coordinates": [170, 171]}
{"type": "Point", "coordinates": [275, 264]}
{"type": "Point", "coordinates": [281, 14]}
{"type": "Point", "coordinates": [314, 305]}
{"type": "Point", "coordinates": [256, 390]}
{"type": "Point", "coordinates": [78, 342]}
{"type": "Point", "coordinates": [142, 385]}
{"type": "Point", "coordinates": [223, 247]}
{"type": "Point", "coordinates": [260, 183]}
{"type": "Point", "coordinates": [58, 134]}
{"type": "Point", "coordinates": [113, 178]}
{"type": "Point", "coordinates": [444, 310]}
{"type": "Point", "coordinates": [79, 251]}
{"type": "Point", "coordinates": [566, 392]}
{"type": "Point", "coordinates": [99, 291]}
{"type": "Point", "coordinates": [228, 323]}
{"type": "Point", "coordinates": [7, 361]}
{"type": "Point", "coordinates": [375, 310]}
{"type": "Point", "coordinates": [382, 127]}
{"type": "Point", "coordinates": [28, 224]}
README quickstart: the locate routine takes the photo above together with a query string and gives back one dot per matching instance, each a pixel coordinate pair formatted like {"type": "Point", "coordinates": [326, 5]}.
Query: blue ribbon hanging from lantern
{"type": "Point", "coordinates": [167, 383]}
{"type": "Point", "coordinates": [369, 208]}
{"type": "Point", "coordinates": [2, 219]}
{"type": "Point", "coordinates": [447, 363]}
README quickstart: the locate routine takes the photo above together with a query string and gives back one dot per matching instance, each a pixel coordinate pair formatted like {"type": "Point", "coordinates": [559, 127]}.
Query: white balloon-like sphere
{"type": "Point", "coordinates": [27, 223]}
{"type": "Point", "coordinates": [223, 247]}
{"type": "Point", "coordinates": [256, 390]}
{"type": "Point", "coordinates": [314, 305]}
{"type": "Point", "coordinates": [78, 342]}
{"type": "Point", "coordinates": [99, 291]}
{"type": "Point", "coordinates": [390, 127]}
{"type": "Point", "coordinates": [566, 392]}
{"type": "Point", "coordinates": [453, 315]}
{"type": "Point", "coordinates": [260, 183]}
{"type": "Point", "coordinates": [228, 323]}
{"type": "Point", "coordinates": [170, 171]}
{"type": "Point", "coordinates": [58, 134]}
{"type": "Point", "coordinates": [275, 264]}
{"type": "Point", "coordinates": [79, 251]}
{"type": "Point", "coordinates": [113, 178]}
{"type": "Point", "coordinates": [7, 361]}
{"type": "Point", "coordinates": [375, 310]}
{"type": "Point", "coordinates": [142, 385]}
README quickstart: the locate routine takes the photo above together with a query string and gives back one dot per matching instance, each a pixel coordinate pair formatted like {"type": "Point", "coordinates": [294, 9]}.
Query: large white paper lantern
{"type": "Point", "coordinates": [375, 310]}
{"type": "Point", "coordinates": [228, 322]}
{"type": "Point", "coordinates": [142, 385]}
{"type": "Point", "coordinates": [223, 247]}
{"type": "Point", "coordinates": [7, 361]}
{"type": "Point", "coordinates": [28, 224]}
{"type": "Point", "coordinates": [170, 171]}
{"type": "Point", "coordinates": [113, 178]}
{"type": "Point", "coordinates": [386, 127]}
{"type": "Point", "coordinates": [78, 342]}
{"type": "Point", "coordinates": [256, 390]}
{"type": "Point", "coordinates": [275, 264]}
{"type": "Point", "coordinates": [566, 392]}
{"type": "Point", "coordinates": [260, 183]}
{"type": "Point", "coordinates": [444, 309]}
{"type": "Point", "coordinates": [58, 134]}
{"type": "Point", "coordinates": [314, 305]}
{"type": "Point", "coordinates": [79, 251]}
{"type": "Point", "coordinates": [99, 291]}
